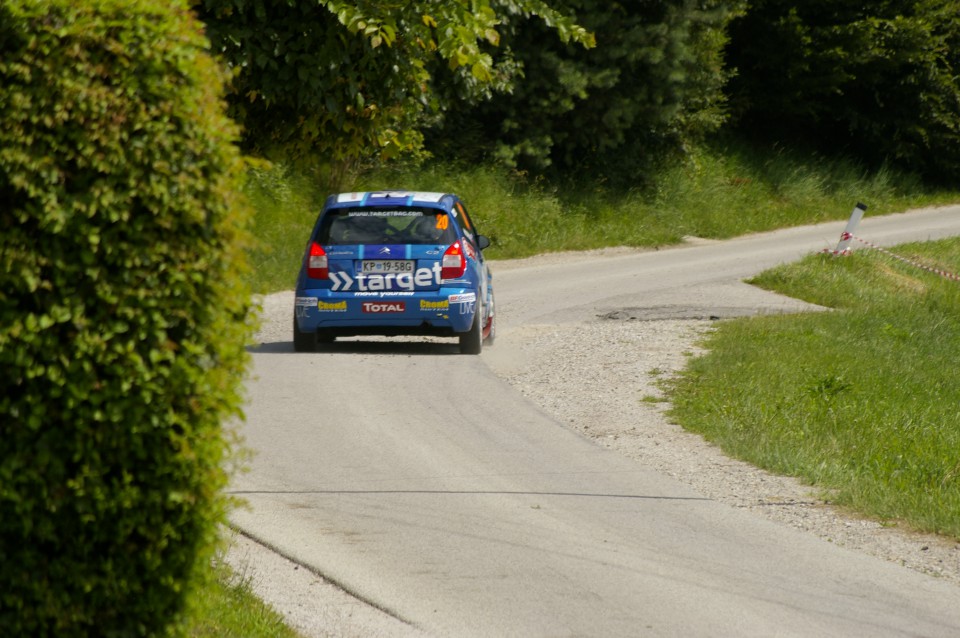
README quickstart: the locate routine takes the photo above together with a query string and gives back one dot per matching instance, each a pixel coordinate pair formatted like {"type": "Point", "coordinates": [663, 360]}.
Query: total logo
{"type": "Point", "coordinates": [423, 277]}
{"type": "Point", "coordinates": [383, 306]}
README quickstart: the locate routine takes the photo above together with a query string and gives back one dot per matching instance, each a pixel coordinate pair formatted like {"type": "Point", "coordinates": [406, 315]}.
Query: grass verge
{"type": "Point", "coordinates": [861, 401]}
{"type": "Point", "coordinates": [227, 608]}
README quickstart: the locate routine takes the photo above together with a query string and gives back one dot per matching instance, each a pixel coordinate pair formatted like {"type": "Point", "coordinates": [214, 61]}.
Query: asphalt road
{"type": "Point", "coordinates": [420, 482]}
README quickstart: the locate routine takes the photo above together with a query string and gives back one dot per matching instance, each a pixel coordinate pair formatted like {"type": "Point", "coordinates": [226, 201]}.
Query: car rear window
{"type": "Point", "coordinates": [342, 226]}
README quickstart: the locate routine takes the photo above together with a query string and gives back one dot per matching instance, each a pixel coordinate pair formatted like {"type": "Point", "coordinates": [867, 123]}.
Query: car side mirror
{"type": "Point", "coordinates": [483, 241]}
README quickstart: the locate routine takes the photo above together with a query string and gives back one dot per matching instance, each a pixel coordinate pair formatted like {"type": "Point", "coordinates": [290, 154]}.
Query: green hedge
{"type": "Point", "coordinates": [123, 316]}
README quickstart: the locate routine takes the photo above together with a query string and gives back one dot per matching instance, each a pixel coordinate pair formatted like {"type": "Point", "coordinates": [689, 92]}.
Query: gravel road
{"type": "Point", "coordinates": [599, 377]}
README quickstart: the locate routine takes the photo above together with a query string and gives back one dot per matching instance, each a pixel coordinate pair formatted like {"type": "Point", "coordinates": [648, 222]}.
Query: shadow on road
{"type": "Point", "coordinates": [350, 346]}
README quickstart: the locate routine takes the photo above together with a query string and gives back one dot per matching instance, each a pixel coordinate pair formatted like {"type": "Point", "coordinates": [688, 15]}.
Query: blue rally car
{"type": "Point", "coordinates": [394, 263]}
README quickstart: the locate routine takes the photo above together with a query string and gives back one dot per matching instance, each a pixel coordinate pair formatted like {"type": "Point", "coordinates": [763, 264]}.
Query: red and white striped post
{"type": "Point", "coordinates": [844, 246]}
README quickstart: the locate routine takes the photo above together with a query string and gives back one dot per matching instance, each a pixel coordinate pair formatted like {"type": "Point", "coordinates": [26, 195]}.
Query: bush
{"type": "Point", "coordinates": [873, 80]}
{"type": "Point", "coordinates": [123, 318]}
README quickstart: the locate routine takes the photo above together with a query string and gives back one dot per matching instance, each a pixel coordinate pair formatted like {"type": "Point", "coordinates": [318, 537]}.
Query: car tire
{"type": "Point", "coordinates": [471, 342]}
{"type": "Point", "coordinates": [303, 341]}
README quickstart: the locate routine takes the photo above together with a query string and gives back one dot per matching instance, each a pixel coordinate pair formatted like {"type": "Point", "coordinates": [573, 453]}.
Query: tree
{"type": "Point", "coordinates": [123, 314]}
{"type": "Point", "coordinates": [651, 85]}
{"type": "Point", "coordinates": [347, 80]}
{"type": "Point", "coordinates": [878, 80]}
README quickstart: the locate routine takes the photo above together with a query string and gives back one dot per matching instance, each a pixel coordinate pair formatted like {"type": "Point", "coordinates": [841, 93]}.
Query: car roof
{"type": "Point", "coordinates": [392, 198]}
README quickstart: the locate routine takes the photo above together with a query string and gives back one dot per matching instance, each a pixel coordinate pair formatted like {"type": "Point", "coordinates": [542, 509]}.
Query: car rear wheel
{"type": "Point", "coordinates": [303, 341]}
{"type": "Point", "coordinates": [471, 342]}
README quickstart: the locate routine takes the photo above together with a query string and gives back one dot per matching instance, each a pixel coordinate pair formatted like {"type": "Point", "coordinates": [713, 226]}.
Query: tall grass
{"type": "Point", "coordinates": [719, 191]}
{"type": "Point", "coordinates": [286, 203]}
{"type": "Point", "coordinates": [732, 190]}
{"type": "Point", "coordinates": [862, 402]}
{"type": "Point", "coordinates": [228, 608]}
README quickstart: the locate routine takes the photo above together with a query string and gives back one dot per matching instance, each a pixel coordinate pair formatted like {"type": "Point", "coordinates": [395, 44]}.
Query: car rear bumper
{"type": "Point", "coordinates": [442, 312]}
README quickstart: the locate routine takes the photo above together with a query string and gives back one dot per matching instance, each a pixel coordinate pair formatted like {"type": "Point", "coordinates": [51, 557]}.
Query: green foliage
{"type": "Point", "coordinates": [354, 83]}
{"type": "Point", "coordinates": [348, 81]}
{"type": "Point", "coordinates": [123, 318]}
{"type": "Point", "coordinates": [859, 401]}
{"type": "Point", "coordinates": [876, 80]}
{"type": "Point", "coordinates": [651, 85]}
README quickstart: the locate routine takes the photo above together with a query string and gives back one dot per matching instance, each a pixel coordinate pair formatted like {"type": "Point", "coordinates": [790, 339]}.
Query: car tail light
{"type": "Point", "coordinates": [317, 262]}
{"type": "Point", "coordinates": [454, 264]}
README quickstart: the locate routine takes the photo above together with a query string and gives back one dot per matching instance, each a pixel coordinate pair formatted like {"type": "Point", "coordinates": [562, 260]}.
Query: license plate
{"type": "Point", "coordinates": [387, 265]}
